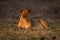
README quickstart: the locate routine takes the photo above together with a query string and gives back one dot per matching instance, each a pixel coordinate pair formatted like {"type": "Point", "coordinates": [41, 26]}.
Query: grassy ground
{"type": "Point", "coordinates": [9, 31]}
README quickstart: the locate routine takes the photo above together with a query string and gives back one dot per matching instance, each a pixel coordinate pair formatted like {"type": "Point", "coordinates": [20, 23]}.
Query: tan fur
{"type": "Point", "coordinates": [44, 23]}
{"type": "Point", "coordinates": [25, 21]}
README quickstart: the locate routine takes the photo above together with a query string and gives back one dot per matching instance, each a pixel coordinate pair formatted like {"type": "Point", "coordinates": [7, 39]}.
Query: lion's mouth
{"type": "Point", "coordinates": [25, 16]}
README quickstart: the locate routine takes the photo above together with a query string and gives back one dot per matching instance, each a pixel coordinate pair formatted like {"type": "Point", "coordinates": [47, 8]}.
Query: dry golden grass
{"type": "Point", "coordinates": [9, 31]}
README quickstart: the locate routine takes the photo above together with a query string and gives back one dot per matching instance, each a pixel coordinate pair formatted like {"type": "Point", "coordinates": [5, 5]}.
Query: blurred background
{"type": "Point", "coordinates": [48, 9]}
{"type": "Point", "coordinates": [45, 9]}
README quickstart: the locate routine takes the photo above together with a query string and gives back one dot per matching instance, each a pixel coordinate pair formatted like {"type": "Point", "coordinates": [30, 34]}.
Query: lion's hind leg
{"type": "Point", "coordinates": [44, 23]}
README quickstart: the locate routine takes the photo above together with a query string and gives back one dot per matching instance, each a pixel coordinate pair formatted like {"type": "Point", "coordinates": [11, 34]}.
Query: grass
{"type": "Point", "coordinates": [9, 31]}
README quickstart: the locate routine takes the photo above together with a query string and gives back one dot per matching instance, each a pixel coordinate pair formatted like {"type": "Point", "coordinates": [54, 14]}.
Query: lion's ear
{"type": "Point", "coordinates": [29, 10]}
{"type": "Point", "coordinates": [21, 11]}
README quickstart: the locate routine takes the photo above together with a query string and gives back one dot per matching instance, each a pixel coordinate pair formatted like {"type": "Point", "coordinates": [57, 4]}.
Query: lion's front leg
{"type": "Point", "coordinates": [27, 24]}
{"type": "Point", "coordinates": [20, 24]}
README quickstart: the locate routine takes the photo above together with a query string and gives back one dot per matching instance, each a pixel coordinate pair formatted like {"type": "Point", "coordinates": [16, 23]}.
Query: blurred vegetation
{"type": "Point", "coordinates": [9, 31]}
{"type": "Point", "coordinates": [9, 16]}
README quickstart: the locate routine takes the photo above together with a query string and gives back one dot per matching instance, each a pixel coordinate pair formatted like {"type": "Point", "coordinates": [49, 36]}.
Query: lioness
{"type": "Point", "coordinates": [25, 21]}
